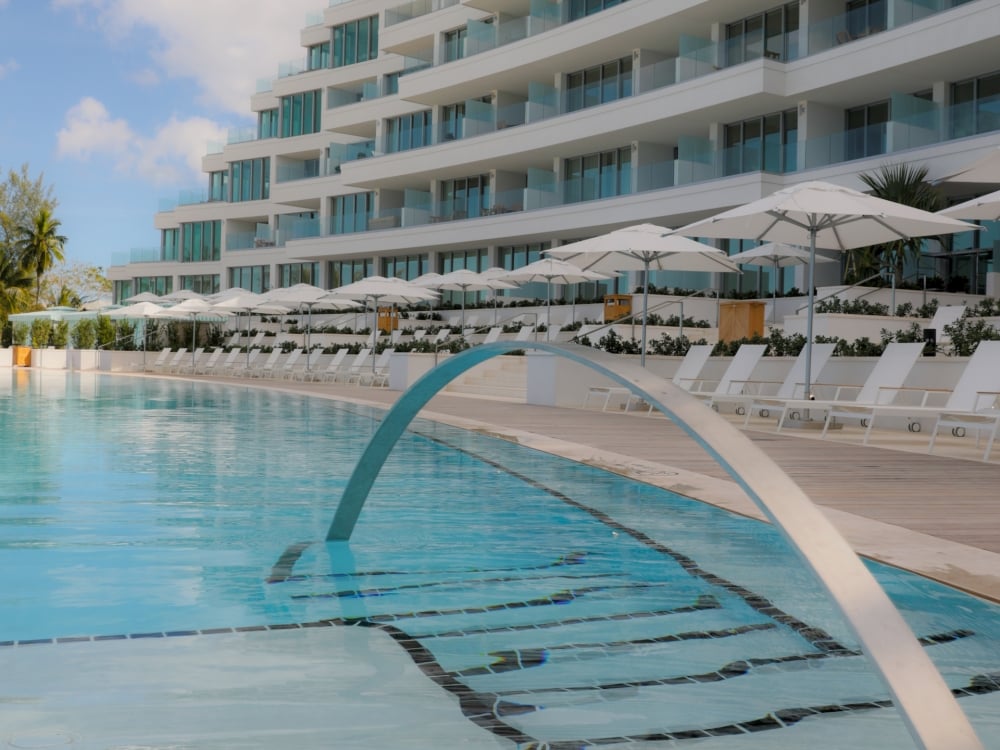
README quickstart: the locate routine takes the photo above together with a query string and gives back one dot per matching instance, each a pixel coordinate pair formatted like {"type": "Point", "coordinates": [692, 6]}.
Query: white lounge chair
{"type": "Point", "coordinates": [226, 365]}
{"type": "Point", "coordinates": [974, 403]}
{"type": "Point", "coordinates": [687, 373]}
{"type": "Point", "coordinates": [267, 366]}
{"type": "Point", "coordinates": [346, 372]}
{"type": "Point", "coordinates": [739, 371]}
{"type": "Point", "coordinates": [207, 364]}
{"type": "Point", "coordinates": [379, 372]}
{"type": "Point", "coordinates": [792, 387]}
{"type": "Point", "coordinates": [493, 335]}
{"type": "Point", "coordinates": [305, 372]}
{"type": "Point", "coordinates": [880, 387]}
{"type": "Point", "coordinates": [161, 359]}
{"type": "Point", "coordinates": [287, 367]}
{"type": "Point", "coordinates": [329, 372]}
{"type": "Point", "coordinates": [526, 333]}
{"type": "Point", "coordinates": [174, 361]}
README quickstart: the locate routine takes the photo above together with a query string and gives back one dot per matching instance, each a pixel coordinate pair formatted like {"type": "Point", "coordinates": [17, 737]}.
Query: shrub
{"type": "Point", "coordinates": [60, 334]}
{"type": "Point", "coordinates": [20, 333]}
{"type": "Point", "coordinates": [84, 334]}
{"type": "Point", "coordinates": [41, 330]}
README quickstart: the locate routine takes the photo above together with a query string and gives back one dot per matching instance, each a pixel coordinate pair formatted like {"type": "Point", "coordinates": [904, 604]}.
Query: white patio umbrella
{"type": "Point", "coordinates": [985, 170]}
{"type": "Point", "coordinates": [382, 289]}
{"type": "Point", "coordinates": [181, 295]}
{"type": "Point", "coordinates": [249, 303]}
{"type": "Point", "coordinates": [191, 309]}
{"type": "Point", "coordinates": [138, 311]}
{"type": "Point", "coordinates": [985, 207]}
{"type": "Point", "coordinates": [819, 214]}
{"type": "Point", "coordinates": [777, 255]}
{"type": "Point", "coordinates": [143, 297]}
{"type": "Point", "coordinates": [644, 247]}
{"type": "Point", "coordinates": [551, 271]}
{"type": "Point", "coordinates": [465, 280]}
{"type": "Point", "coordinates": [307, 296]}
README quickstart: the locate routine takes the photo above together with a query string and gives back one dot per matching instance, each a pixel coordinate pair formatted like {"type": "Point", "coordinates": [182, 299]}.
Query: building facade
{"type": "Point", "coordinates": [443, 134]}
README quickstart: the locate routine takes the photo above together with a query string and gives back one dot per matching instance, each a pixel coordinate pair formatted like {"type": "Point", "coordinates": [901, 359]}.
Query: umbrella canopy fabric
{"type": "Point", "coordinates": [984, 170]}
{"type": "Point", "coordinates": [181, 295]}
{"type": "Point", "coordinates": [820, 214]}
{"type": "Point", "coordinates": [644, 247]}
{"type": "Point", "coordinates": [385, 289]}
{"type": "Point", "coordinates": [143, 297]}
{"type": "Point", "coordinates": [985, 207]}
{"type": "Point", "coordinates": [551, 271]}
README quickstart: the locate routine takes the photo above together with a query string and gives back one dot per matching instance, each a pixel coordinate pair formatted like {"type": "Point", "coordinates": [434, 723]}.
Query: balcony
{"type": "Point", "coordinates": [415, 9]}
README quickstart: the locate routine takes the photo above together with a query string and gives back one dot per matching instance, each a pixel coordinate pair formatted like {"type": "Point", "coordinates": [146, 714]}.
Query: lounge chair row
{"type": "Point", "coordinates": [362, 368]}
{"type": "Point", "coordinates": [972, 407]}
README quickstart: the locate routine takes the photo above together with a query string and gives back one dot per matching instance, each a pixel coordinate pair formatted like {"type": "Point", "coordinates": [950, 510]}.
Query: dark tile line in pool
{"type": "Point", "coordinates": [349, 593]}
{"type": "Point", "coordinates": [702, 603]}
{"type": "Point", "coordinates": [515, 659]}
{"type": "Point", "coordinates": [725, 672]}
{"type": "Point", "coordinates": [281, 570]}
{"type": "Point", "coordinates": [819, 638]}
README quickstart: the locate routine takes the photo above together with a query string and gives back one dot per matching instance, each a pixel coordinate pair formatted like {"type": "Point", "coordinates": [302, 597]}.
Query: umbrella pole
{"type": "Point", "coordinates": [774, 293]}
{"type": "Point", "coordinates": [809, 314]}
{"type": "Point", "coordinates": [309, 323]}
{"type": "Point", "coordinates": [194, 338]}
{"type": "Point", "coordinates": [249, 316]}
{"type": "Point", "coordinates": [645, 307]}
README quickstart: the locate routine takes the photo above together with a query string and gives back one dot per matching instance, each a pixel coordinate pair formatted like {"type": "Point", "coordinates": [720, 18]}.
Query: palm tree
{"type": "Point", "coordinates": [906, 184]}
{"type": "Point", "coordinates": [15, 281]}
{"type": "Point", "coordinates": [41, 246]}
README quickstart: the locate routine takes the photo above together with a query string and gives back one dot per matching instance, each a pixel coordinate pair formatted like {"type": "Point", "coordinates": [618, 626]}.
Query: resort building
{"type": "Point", "coordinates": [435, 135]}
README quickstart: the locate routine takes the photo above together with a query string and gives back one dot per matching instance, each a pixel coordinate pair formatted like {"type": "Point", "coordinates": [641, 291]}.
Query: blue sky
{"type": "Point", "coordinates": [115, 101]}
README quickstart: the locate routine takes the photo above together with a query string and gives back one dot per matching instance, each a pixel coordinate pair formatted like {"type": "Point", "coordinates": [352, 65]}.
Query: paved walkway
{"type": "Point", "coordinates": [939, 515]}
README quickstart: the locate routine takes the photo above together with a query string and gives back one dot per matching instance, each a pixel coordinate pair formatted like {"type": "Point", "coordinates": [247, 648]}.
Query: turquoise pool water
{"type": "Point", "coordinates": [547, 604]}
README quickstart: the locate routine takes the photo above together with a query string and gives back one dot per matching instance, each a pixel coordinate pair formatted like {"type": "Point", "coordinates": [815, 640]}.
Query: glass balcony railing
{"type": "Point", "coordinates": [415, 9]}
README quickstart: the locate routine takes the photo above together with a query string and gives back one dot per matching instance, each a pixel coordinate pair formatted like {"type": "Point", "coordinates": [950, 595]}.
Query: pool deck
{"type": "Point", "coordinates": [938, 515]}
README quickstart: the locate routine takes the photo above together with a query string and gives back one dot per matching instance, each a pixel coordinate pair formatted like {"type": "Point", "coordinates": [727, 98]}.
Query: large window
{"type": "Point", "coordinates": [473, 260]}
{"type": "Point", "coordinates": [345, 271]}
{"type": "Point", "coordinates": [465, 197]}
{"type": "Point", "coordinates": [318, 56]}
{"type": "Point", "coordinates": [406, 267]}
{"type": "Point", "coordinates": [252, 278]}
{"type": "Point", "coordinates": [169, 243]}
{"type": "Point", "coordinates": [975, 106]}
{"type": "Point", "coordinates": [408, 131]}
{"type": "Point", "coordinates": [218, 186]}
{"type": "Point", "coordinates": [153, 284]}
{"type": "Point", "coordinates": [594, 176]}
{"type": "Point", "coordinates": [773, 34]}
{"type": "Point", "coordinates": [866, 17]}
{"type": "Point", "coordinates": [581, 8]}
{"type": "Point", "coordinates": [454, 44]}
{"type": "Point", "coordinates": [299, 273]}
{"type": "Point", "coordinates": [267, 124]}
{"type": "Point", "coordinates": [512, 257]}
{"type": "Point", "coordinates": [250, 179]}
{"type": "Point", "coordinates": [452, 118]}
{"type": "Point", "coordinates": [355, 42]}
{"type": "Point", "coordinates": [207, 283]}
{"type": "Point", "coordinates": [762, 144]}
{"type": "Point", "coordinates": [350, 213]}
{"type": "Point", "coordinates": [599, 84]}
{"type": "Point", "coordinates": [201, 241]}
{"type": "Point", "coordinates": [867, 130]}
{"type": "Point", "coordinates": [301, 113]}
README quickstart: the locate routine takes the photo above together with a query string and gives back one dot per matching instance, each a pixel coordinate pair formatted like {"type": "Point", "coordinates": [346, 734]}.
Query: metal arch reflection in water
{"type": "Point", "coordinates": [927, 706]}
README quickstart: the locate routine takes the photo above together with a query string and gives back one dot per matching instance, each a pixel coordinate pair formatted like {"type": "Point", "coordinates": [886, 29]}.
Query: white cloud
{"type": "Point", "coordinates": [224, 45]}
{"type": "Point", "coordinates": [147, 77]}
{"type": "Point", "coordinates": [171, 156]}
{"type": "Point", "coordinates": [11, 65]}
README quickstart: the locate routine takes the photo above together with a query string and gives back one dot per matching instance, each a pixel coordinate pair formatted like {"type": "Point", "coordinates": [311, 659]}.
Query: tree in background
{"type": "Point", "coordinates": [74, 284]}
{"type": "Point", "coordinates": [900, 183]}
{"type": "Point", "coordinates": [41, 246]}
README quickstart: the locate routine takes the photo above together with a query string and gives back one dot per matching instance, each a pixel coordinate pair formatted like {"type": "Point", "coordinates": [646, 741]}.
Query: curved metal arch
{"type": "Point", "coordinates": [927, 706]}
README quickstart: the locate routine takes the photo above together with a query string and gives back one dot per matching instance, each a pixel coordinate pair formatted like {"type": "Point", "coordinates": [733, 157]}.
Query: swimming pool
{"type": "Point", "coordinates": [165, 586]}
